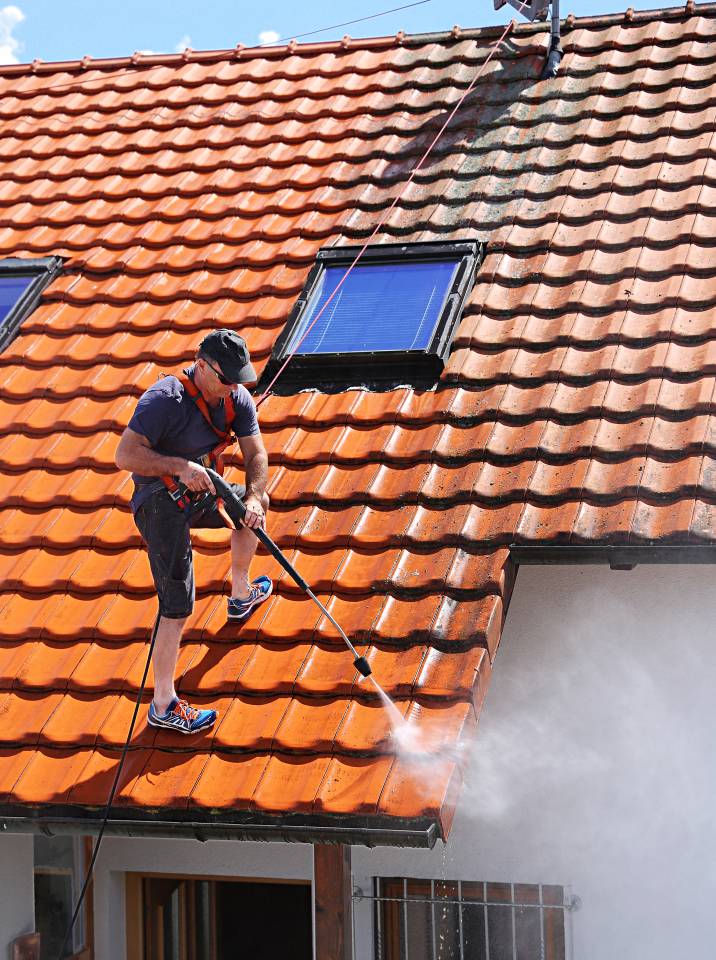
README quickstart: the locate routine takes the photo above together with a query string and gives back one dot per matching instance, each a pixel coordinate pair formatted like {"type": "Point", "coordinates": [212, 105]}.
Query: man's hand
{"type": "Point", "coordinates": [256, 466]}
{"type": "Point", "coordinates": [195, 478]}
{"type": "Point", "coordinates": [254, 513]}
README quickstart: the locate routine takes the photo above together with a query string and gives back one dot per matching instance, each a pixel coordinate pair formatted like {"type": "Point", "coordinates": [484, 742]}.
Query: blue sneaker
{"type": "Point", "coordinates": [261, 590]}
{"type": "Point", "coordinates": [181, 717]}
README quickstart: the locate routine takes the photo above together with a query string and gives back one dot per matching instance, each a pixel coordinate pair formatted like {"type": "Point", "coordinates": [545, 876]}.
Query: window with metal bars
{"type": "Point", "coordinates": [444, 920]}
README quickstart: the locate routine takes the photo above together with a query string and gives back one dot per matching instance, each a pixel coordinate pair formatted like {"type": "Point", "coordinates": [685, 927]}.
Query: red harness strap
{"type": "Point", "coordinates": [214, 459]}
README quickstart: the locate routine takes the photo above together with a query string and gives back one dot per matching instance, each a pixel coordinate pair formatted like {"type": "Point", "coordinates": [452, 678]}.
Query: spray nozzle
{"type": "Point", "coordinates": [362, 666]}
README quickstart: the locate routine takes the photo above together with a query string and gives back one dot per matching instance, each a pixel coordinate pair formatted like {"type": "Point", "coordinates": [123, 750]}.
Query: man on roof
{"type": "Point", "coordinates": [182, 425]}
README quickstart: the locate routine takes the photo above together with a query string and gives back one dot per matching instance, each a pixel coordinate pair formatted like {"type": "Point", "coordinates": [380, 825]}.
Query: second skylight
{"type": "Point", "coordinates": [393, 315]}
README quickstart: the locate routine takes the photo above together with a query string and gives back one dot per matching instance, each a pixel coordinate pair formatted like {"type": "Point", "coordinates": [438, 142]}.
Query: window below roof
{"type": "Point", "coordinates": [59, 864]}
{"type": "Point", "coordinates": [21, 285]}
{"type": "Point", "coordinates": [391, 318]}
{"type": "Point", "coordinates": [207, 919]}
{"type": "Point", "coordinates": [440, 919]}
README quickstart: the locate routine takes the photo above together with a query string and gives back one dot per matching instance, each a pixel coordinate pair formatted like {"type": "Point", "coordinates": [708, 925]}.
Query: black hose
{"type": "Point", "coordinates": [112, 792]}
{"type": "Point", "coordinates": [115, 784]}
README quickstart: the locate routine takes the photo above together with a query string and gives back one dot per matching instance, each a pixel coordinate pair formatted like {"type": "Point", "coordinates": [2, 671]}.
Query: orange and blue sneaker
{"type": "Point", "coordinates": [181, 717]}
{"type": "Point", "coordinates": [239, 609]}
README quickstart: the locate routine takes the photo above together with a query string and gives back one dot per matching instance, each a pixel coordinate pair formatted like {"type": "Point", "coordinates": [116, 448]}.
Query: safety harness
{"type": "Point", "coordinates": [214, 459]}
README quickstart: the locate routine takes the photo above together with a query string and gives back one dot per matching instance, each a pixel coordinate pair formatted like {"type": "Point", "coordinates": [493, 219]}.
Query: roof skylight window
{"type": "Point", "coordinates": [393, 317]}
{"type": "Point", "coordinates": [21, 284]}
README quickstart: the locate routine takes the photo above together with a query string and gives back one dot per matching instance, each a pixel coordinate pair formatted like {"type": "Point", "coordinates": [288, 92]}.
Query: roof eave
{"type": "Point", "coordinates": [56, 820]}
{"type": "Point", "coordinates": [618, 555]}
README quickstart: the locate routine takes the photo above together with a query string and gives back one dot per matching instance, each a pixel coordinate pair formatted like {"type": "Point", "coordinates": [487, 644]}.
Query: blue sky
{"type": "Point", "coordinates": [67, 30]}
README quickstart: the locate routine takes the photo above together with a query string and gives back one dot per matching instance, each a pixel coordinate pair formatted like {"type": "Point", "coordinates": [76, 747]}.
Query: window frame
{"type": "Point", "coordinates": [392, 896]}
{"type": "Point", "coordinates": [82, 847]}
{"type": "Point", "coordinates": [141, 900]}
{"type": "Point", "coordinates": [44, 270]}
{"type": "Point", "coordinates": [351, 367]}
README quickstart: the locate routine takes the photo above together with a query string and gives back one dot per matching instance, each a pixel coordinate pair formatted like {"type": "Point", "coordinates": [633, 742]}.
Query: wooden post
{"type": "Point", "coordinates": [333, 903]}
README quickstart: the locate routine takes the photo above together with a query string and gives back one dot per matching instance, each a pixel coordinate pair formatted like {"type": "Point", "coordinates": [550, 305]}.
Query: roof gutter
{"type": "Point", "coordinates": [369, 833]}
{"type": "Point", "coordinates": [618, 556]}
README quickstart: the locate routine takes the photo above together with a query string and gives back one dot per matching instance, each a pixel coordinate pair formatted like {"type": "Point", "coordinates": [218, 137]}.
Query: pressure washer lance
{"type": "Point", "coordinates": [237, 511]}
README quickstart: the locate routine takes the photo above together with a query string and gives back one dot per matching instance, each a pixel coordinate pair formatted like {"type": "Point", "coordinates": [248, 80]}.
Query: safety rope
{"type": "Point", "coordinates": [381, 222]}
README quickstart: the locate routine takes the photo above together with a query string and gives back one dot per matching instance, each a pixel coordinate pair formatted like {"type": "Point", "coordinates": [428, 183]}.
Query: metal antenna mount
{"type": "Point", "coordinates": [532, 9]}
{"type": "Point", "coordinates": [537, 10]}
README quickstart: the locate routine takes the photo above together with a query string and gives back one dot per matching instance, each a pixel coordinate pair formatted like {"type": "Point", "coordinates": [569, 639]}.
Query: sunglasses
{"type": "Point", "coordinates": [219, 376]}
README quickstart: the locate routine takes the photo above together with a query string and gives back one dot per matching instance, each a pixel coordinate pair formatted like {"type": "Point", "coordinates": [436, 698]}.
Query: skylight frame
{"type": "Point", "coordinates": [43, 270]}
{"type": "Point", "coordinates": [350, 368]}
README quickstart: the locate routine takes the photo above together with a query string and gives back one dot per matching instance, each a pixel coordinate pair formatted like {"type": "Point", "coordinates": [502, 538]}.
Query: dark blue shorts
{"type": "Point", "coordinates": [164, 528]}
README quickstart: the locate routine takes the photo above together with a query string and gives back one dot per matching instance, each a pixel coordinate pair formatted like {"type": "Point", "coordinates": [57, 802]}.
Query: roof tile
{"type": "Point", "coordinates": [104, 666]}
{"type": "Point", "coordinates": [418, 787]}
{"type": "Point", "coordinates": [352, 785]}
{"type": "Point", "coordinates": [178, 772]}
{"type": "Point", "coordinates": [292, 782]}
{"type": "Point", "coordinates": [48, 777]}
{"type": "Point", "coordinates": [239, 773]}
{"type": "Point", "coordinates": [445, 676]}
{"type": "Point", "coordinates": [309, 725]}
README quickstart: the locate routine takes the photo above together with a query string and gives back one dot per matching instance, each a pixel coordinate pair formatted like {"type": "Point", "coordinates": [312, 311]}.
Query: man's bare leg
{"type": "Point", "coordinates": [243, 549]}
{"type": "Point", "coordinates": [164, 661]}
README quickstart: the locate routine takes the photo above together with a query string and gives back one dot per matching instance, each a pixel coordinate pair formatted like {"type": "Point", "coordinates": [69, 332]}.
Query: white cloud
{"type": "Point", "coordinates": [183, 44]}
{"type": "Point", "coordinates": [147, 53]}
{"type": "Point", "coordinates": [269, 36]}
{"type": "Point", "coordinates": [10, 17]}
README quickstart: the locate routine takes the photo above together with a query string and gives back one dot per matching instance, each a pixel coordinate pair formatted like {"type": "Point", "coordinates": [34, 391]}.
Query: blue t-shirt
{"type": "Point", "coordinates": [174, 426]}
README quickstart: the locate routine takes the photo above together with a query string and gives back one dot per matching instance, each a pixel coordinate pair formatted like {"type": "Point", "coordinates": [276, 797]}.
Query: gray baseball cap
{"type": "Point", "coordinates": [230, 353]}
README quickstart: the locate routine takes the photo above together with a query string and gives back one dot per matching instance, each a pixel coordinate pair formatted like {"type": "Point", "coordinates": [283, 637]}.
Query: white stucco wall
{"type": "Point", "coordinates": [594, 763]}
{"type": "Point", "coordinates": [17, 895]}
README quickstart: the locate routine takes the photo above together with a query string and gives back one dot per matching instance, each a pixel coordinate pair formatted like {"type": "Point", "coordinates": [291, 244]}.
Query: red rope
{"type": "Point", "coordinates": [387, 213]}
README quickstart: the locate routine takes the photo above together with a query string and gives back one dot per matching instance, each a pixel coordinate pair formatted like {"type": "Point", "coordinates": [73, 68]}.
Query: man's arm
{"type": "Point", "coordinates": [256, 467]}
{"type": "Point", "coordinates": [135, 454]}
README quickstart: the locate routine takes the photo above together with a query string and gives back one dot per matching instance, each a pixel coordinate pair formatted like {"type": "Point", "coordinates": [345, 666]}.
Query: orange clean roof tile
{"type": "Point", "coordinates": [193, 191]}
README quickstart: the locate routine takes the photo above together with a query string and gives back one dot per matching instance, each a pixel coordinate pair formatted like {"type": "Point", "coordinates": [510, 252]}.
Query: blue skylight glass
{"type": "Point", "coordinates": [11, 289]}
{"type": "Point", "coordinates": [383, 306]}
